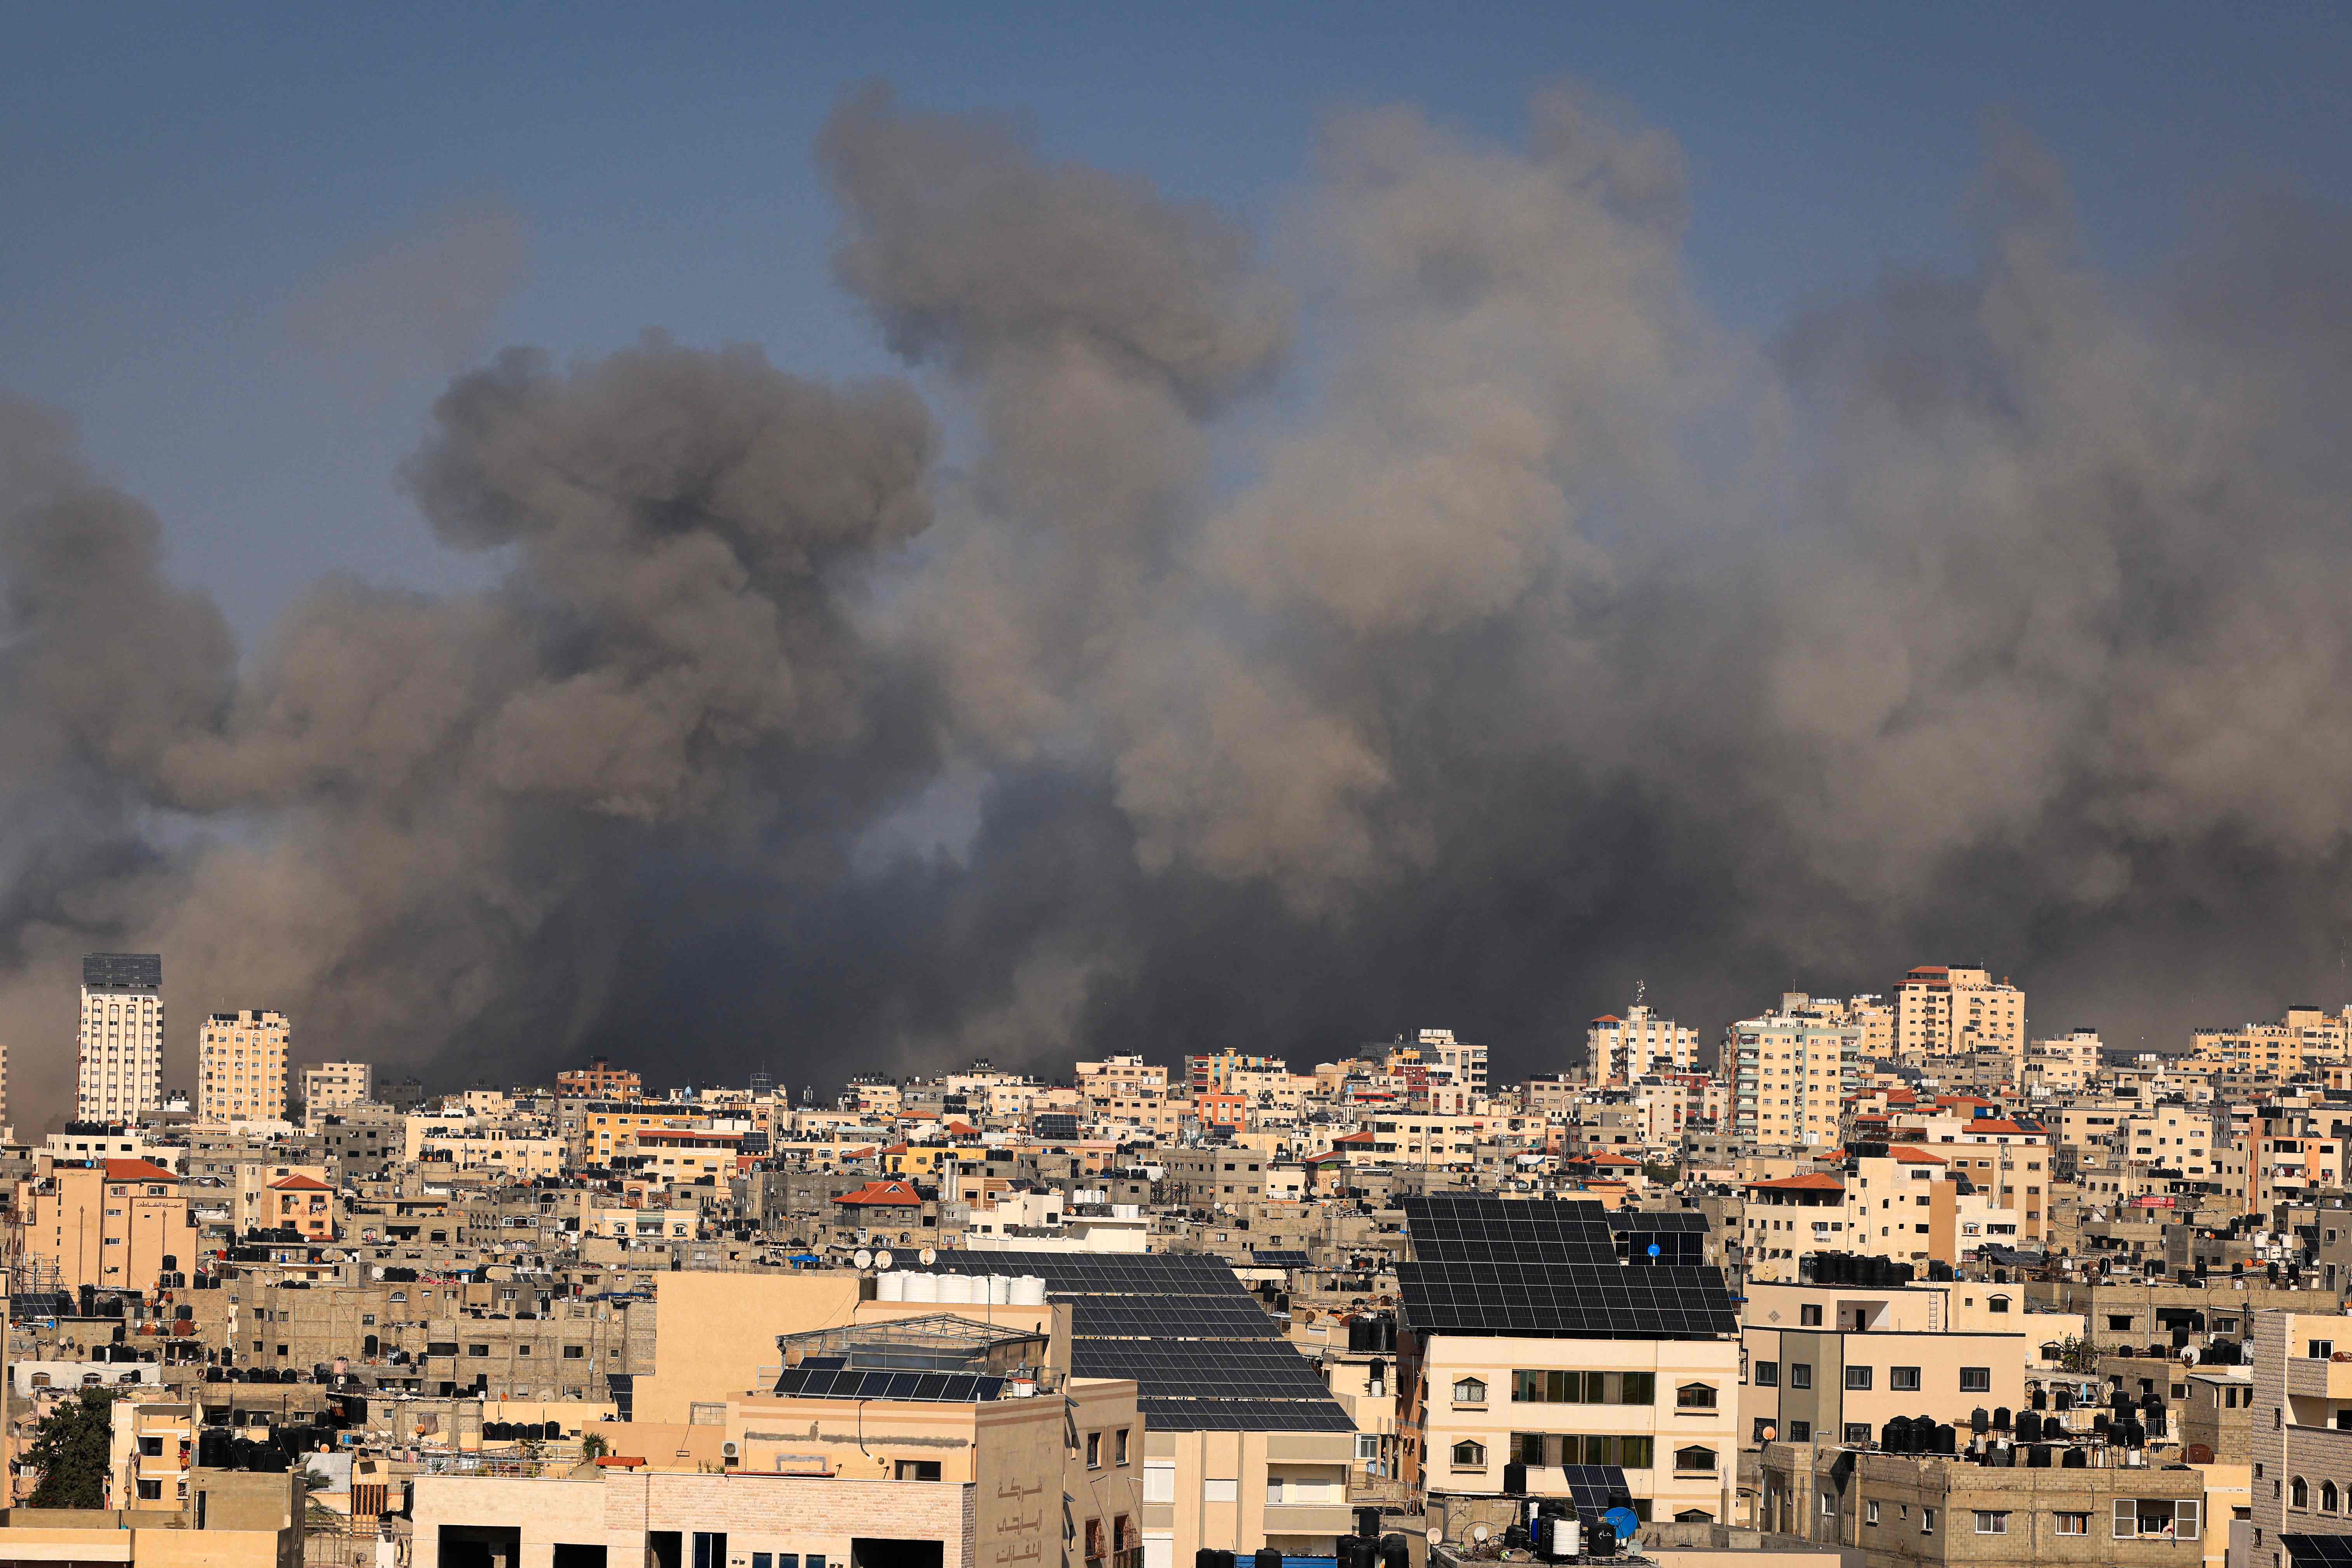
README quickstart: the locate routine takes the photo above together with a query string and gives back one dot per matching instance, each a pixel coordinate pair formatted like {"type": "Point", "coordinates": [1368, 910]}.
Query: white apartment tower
{"type": "Point", "coordinates": [1640, 1043]}
{"type": "Point", "coordinates": [330, 1085]}
{"type": "Point", "coordinates": [122, 1040]}
{"type": "Point", "coordinates": [241, 1068]}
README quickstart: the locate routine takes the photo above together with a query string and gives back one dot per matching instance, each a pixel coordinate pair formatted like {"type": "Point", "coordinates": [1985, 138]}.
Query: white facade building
{"type": "Point", "coordinates": [122, 1035]}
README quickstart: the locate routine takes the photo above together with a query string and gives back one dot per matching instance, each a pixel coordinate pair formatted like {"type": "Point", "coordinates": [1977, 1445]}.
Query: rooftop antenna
{"type": "Point", "coordinates": [1640, 989]}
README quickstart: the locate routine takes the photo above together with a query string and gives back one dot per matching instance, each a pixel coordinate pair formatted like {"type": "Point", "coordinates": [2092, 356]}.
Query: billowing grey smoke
{"type": "Point", "coordinates": [1563, 639]}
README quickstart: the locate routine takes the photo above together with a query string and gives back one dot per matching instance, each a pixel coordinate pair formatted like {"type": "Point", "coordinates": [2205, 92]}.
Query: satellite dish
{"type": "Point", "coordinates": [882, 1259]}
{"type": "Point", "coordinates": [1479, 1533]}
{"type": "Point", "coordinates": [1437, 1536]}
{"type": "Point", "coordinates": [930, 1256]}
{"type": "Point", "coordinates": [1653, 1249]}
{"type": "Point", "coordinates": [863, 1258]}
{"type": "Point", "coordinates": [1623, 1520]}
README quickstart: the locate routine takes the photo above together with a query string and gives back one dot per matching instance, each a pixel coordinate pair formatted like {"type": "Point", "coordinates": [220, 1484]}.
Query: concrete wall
{"type": "Point", "coordinates": [715, 1333]}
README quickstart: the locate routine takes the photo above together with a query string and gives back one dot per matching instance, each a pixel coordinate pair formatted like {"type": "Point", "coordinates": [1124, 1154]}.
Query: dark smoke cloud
{"type": "Point", "coordinates": [1566, 639]}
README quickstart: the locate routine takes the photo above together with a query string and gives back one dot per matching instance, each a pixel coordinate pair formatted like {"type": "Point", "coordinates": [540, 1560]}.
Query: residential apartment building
{"type": "Point", "coordinates": [1214, 1073]}
{"type": "Point", "coordinates": [1639, 1045]}
{"type": "Point", "coordinates": [1941, 1011]}
{"type": "Point", "coordinates": [1634, 1364]}
{"type": "Point", "coordinates": [2301, 1434]}
{"type": "Point", "coordinates": [241, 1068]}
{"type": "Point", "coordinates": [116, 1225]}
{"type": "Point", "coordinates": [600, 1080]}
{"type": "Point", "coordinates": [331, 1086]}
{"type": "Point", "coordinates": [1834, 1363]}
{"type": "Point", "coordinates": [122, 1035]}
{"type": "Point", "coordinates": [2306, 1038]}
{"type": "Point", "coordinates": [1790, 1072]}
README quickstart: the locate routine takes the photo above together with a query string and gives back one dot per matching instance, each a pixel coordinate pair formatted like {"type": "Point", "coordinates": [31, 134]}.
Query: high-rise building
{"type": "Point", "coordinates": [121, 1037]}
{"type": "Point", "coordinates": [330, 1085]}
{"type": "Point", "coordinates": [241, 1068]}
{"type": "Point", "coordinates": [1790, 1072]}
{"type": "Point", "coordinates": [1638, 1045]}
{"type": "Point", "coordinates": [1942, 1012]}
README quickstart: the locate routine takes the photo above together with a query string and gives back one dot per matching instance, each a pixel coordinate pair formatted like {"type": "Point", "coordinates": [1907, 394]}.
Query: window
{"type": "Point", "coordinates": [2074, 1524]}
{"type": "Point", "coordinates": [2328, 1496]}
{"type": "Point", "coordinates": [471, 1350]}
{"type": "Point", "coordinates": [1857, 1431]}
{"type": "Point", "coordinates": [2320, 1350]}
{"type": "Point", "coordinates": [575, 1352]}
{"type": "Point", "coordinates": [2298, 1493]}
{"type": "Point", "coordinates": [1870, 1511]}
{"type": "Point", "coordinates": [150, 1491]}
{"type": "Point", "coordinates": [1800, 1431]}
{"type": "Point", "coordinates": [1094, 1450]}
{"type": "Point", "coordinates": [1992, 1521]}
{"type": "Point", "coordinates": [2119, 1322]}
{"type": "Point", "coordinates": [709, 1549]}
{"type": "Point", "coordinates": [1828, 1503]}
{"type": "Point", "coordinates": [1765, 1373]}
{"type": "Point", "coordinates": [1584, 1388]}
{"type": "Point", "coordinates": [1118, 1446]}
{"type": "Point", "coordinates": [1469, 1455]}
{"type": "Point", "coordinates": [1694, 1396]}
{"type": "Point", "coordinates": [1695, 1461]}
{"type": "Point", "coordinates": [1469, 1390]}
{"type": "Point", "coordinates": [1809, 1316]}
{"type": "Point", "coordinates": [1857, 1377]}
{"type": "Point", "coordinates": [1903, 1379]}
{"type": "Point", "coordinates": [2166, 1517]}
{"type": "Point", "coordinates": [918, 1469]}
{"type": "Point", "coordinates": [1926, 1521]}
{"type": "Point", "coordinates": [1801, 1375]}
{"type": "Point", "coordinates": [1998, 1304]}
{"type": "Point", "coordinates": [151, 1446]}
{"type": "Point", "coordinates": [1976, 1380]}
{"type": "Point", "coordinates": [1160, 1481]}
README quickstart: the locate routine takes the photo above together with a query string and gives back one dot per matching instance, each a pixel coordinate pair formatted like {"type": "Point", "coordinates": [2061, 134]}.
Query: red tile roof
{"type": "Point", "coordinates": [137, 1170]}
{"type": "Point", "coordinates": [1905, 1153]}
{"type": "Point", "coordinates": [893, 1193]}
{"type": "Point", "coordinates": [300, 1183]}
{"type": "Point", "coordinates": [1608, 1018]}
{"type": "Point", "coordinates": [1811, 1181]}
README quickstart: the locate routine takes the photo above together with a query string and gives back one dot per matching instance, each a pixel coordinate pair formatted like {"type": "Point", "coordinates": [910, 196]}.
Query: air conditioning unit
{"type": "Point", "coordinates": [730, 1452]}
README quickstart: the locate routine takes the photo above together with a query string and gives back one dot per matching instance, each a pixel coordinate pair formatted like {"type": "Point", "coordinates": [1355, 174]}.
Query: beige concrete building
{"type": "Point", "coordinates": [1619, 1050]}
{"type": "Point", "coordinates": [153, 1454]}
{"type": "Point", "coordinates": [1833, 1364]}
{"type": "Point", "coordinates": [1941, 1011]}
{"type": "Point", "coordinates": [241, 1068]}
{"type": "Point", "coordinates": [115, 1226]}
{"type": "Point", "coordinates": [1790, 1072]}
{"type": "Point", "coordinates": [330, 1085]}
{"type": "Point", "coordinates": [233, 1519]}
{"type": "Point", "coordinates": [2301, 1434]}
{"type": "Point", "coordinates": [2306, 1038]}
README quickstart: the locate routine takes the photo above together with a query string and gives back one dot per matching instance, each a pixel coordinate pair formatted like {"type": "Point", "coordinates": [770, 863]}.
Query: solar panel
{"type": "Point", "coordinates": [1204, 1356]}
{"type": "Point", "coordinates": [1594, 1490]}
{"type": "Point", "coordinates": [2318, 1551]}
{"type": "Point", "coordinates": [1487, 1267]}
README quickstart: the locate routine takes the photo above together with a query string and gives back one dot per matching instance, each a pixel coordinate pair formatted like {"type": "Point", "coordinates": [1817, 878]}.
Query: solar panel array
{"type": "Point", "coordinates": [1204, 1356]}
{"type": "Point", "coordinates": [1594, 1490]}
{"type": "Point", "coordinates": [2318, 1551]}
{"type": "Point", "coordinates": [826, 1377]}
{"type": "Point", "coordinates": [1551, 1269]}
{"type": "Point", "coordinates": [1266, 1258]}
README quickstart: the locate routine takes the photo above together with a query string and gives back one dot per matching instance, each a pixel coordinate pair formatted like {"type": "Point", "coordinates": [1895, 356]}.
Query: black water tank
{"type": "Point", "coordinates": [552, 1428]}
{"type": "Point", "coordinates": [1267, 1557]}
{"type": "Point", "coordinates": [1600, 1541]}
{"type": "Point", "coordinates": [1395, 1552]}
{"type": "Point", "coordinates": [2040, 1399]}
{"type": "Point", "coordinates": [1514, 1484]}
{"type": "Point", "coordinates": [2028, 1426]}
{"type": "Point", "coordinates": [2075, 1459]}
{"type": "Point", "coordinates": [1980, 1421]}
{"type": "Point", "coordinates": [1947, 1441]}
{"type": "Point", "coordinates": [1368, 1520]}
{"type": "Point", "coordinates": [2037, 1457]}
{"type": "Point", "coordinates": [2062, 1398]}
{"type": "Point", "coordinates": [2000, 1417]}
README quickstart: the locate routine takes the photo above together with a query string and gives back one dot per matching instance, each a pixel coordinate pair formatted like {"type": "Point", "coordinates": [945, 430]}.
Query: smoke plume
{"type": "Point", "coordinates": [1551, 637]}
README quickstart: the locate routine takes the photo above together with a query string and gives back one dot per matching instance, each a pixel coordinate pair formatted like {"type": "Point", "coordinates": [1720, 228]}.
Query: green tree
{"type": "Point", "coordinates": [71, 1448]}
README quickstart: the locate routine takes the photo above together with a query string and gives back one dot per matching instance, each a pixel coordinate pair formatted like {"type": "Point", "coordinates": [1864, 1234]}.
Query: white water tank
{"type": "Point", "coordinates": [921, 1288]}
{"type": "Point", "coordinates": [890, 1287]}
{"type": "Point", "coordinates": [1029, 1291]}
{"type": "Point", "coordinates": [955, 1286]}
{"type": "Point", "coordinates": [1000, 1290]}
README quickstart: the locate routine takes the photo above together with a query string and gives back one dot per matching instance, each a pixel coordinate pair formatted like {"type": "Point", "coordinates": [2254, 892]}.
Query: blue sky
{"type": "Point", "coordinates": [182, 182]}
